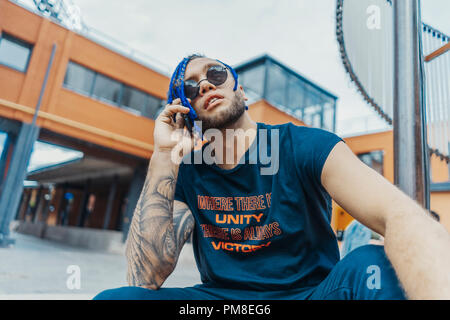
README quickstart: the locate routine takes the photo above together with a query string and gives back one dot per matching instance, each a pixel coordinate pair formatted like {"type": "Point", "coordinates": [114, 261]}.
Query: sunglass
{"type": "Point", "coordinates": [215, 75]}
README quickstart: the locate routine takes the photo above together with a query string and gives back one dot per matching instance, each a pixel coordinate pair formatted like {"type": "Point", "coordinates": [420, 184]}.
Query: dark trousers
{"type": "Point", "coordinates": [363, 274]}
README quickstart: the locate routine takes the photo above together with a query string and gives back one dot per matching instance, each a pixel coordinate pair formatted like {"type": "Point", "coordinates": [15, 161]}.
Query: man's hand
{"type": "Point", "coordinates": [169, 134]}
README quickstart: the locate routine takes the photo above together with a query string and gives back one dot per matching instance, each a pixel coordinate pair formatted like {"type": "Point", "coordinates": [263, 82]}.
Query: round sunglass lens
{"type": "Point", "coordinates": [191, 89]}
{"type": "Point", "coordinates": [216, 75]}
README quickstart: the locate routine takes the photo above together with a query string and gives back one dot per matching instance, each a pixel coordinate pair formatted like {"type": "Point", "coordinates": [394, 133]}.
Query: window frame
{"type": "Point", "coordinates": [29, 46]}
{"type": "Point", "coordinates": [135, 111]}
{"type": "Point", "coordinates": [375, 151]}
{"type": "Point", "coordinates": [119, 104]}
{"type": "Point", "coordinates": [104, 99]}
{"type": "Point", "coordinates": [77, 90]}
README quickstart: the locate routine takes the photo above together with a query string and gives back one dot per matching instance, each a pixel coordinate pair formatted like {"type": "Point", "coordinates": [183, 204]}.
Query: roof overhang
{"type": "Point", "coordinates": [79, 170]}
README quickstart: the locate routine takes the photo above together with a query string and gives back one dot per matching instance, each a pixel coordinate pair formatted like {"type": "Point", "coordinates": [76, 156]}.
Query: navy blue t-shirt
{"type": "Point", "coordinates": [260, 231]}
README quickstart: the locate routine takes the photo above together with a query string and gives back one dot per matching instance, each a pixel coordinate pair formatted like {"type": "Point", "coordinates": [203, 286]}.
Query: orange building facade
{"type": "Point", "coordinates": [96, 122]}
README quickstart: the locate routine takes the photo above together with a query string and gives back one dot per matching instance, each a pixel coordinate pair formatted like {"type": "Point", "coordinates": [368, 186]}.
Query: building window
{"type": "Point", "coordinates": [79, 78]}
{"type": "Point", "coordinates": [296, 94]}
{"type": "Point", "coordinates": [106, 89]}
{"type": "Point", "coordinates": [312, 115]}
{"type": "Point", "coordinates": [288, 91]}
{"type": "Point", "coordinates": [83, 80]}
{"type": "Point", "coordinates": [252, 79]}
{"type": "Point", "coordinates": [373, 159]}
{"type": "Point", "coordinates": [328, 116]}
{"type": "Point", "coordinates": [14, 53]}
{"type": "Point", "coordinates": [134, 99]}
{"type": "Point", "coordinates": [154, 105]}
{"type": "Point", "coordinates": [276, 85]}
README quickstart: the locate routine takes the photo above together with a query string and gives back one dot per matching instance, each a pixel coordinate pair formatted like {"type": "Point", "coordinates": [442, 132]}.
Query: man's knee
{"type": "Point", "coordinates": [367, 255]}
{"type": "Point", "coordinates": [369, 261]}
{"type": "Point", "coordinates": [375, 272]}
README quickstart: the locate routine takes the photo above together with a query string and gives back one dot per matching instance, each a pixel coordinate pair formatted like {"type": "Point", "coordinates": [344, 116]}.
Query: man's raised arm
{"type": "Point", "coordinates": [160, 225]}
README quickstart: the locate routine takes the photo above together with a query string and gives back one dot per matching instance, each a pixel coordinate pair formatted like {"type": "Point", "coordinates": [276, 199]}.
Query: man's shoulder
{"type": "Point", "coordinates": [289, 126]}
{"type": "Point", "coordinates": [283, 128]}
{"type": "Point", "coordinates": [264, 125]}
{"type": "Point", "coordinates": [310, 134]}
{"type": "Point", "coordinates": [298, 133]}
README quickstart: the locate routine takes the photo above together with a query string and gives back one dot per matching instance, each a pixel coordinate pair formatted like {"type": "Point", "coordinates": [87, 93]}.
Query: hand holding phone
{"type": "Point", "coordinates": [170, 121]}
{"type": "Point", "coordinates": [187, 121]}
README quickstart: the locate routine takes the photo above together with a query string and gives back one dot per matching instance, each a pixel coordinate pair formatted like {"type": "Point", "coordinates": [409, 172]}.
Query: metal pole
{"type": "Point", "coordinates": [410, 144]}
{"type": "Point", "coordinates": [4, 157]}
{"type": "Point", "coordinates": [13, 185]}
{"type": "Point", "coordinates": [44, 84]}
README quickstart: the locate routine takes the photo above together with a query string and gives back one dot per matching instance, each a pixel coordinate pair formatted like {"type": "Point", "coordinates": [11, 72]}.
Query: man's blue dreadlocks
{"type": "Point", "coordinates": [176, 86]}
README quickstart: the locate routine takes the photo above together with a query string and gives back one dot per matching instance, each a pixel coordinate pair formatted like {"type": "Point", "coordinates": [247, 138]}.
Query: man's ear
{"type": "Point", "coordinates": [243, 93]}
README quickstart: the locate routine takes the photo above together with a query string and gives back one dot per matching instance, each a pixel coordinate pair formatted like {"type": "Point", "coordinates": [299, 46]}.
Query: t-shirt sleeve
{"type": "Point", "coordinates": [179, 190]}
{"type": "Point", "coordinates": [312, 147]}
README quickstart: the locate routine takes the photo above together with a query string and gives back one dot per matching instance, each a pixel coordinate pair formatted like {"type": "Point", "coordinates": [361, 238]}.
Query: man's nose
{"type": "Point", "coordinates": [205, 86]}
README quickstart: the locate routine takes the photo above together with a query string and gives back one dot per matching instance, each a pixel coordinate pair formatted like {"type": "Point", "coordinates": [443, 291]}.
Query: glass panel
{"type": "Point", "coordinates": [276, 86]}
{"type": "Point", "coordinates": [373, 159]}
{"type": "Point", "coordinates": [79, 78]}
{"type": "Point", "coordinates": [14, 54]}
{"type": "Point", "coordinates": [312, 98]}
{"type": "Point", "coordinates": [107, 89]}
{"type": "Point", "coordinates": [153, 107]}
{"type": "Point", "coordinates": [134, 98]}
{"type": "Point", "coordinates": [296, 94]}
{"type": "Point", "coordinates": [298, 113]}
{"type": "Point", "coordinates": [312, 115]}
{"type": "Point", "coordinates": [316, 120]}
{"type": "Point", "coordinates": [252, 80]}
{"type": "Point", "coordinates": [328, 117]}
{"type": "Point", "coordinates": [162, 104]}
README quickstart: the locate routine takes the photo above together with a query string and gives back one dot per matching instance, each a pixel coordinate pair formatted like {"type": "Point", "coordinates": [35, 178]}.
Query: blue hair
{"type": "Point", "coordinates": [176, 86]}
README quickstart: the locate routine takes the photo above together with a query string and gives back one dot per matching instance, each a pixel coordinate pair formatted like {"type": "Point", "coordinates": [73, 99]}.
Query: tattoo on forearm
{"type": "Point", "coordinates": [183, 222]}
{"type": "Point", "coordinates": [156, 233]}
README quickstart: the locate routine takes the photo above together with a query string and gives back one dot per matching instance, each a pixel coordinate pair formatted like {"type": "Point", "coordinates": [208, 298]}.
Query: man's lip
{"type": "Point", "coordinates": [210, 98]}
{"type": "Point", "coordinates": [213, 104]}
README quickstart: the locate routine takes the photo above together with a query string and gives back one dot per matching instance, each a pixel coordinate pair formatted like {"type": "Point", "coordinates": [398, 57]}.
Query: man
{"type": "Point", "coordinates": [267, 235]}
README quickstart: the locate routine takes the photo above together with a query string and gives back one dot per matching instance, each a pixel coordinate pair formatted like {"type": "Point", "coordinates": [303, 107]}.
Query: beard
{"type": "Point", "coordinates": [226, 117]}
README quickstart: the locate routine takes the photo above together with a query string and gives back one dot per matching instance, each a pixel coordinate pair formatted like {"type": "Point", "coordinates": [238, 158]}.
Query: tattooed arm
{"type": "Point", "coordinates": [160, 225]}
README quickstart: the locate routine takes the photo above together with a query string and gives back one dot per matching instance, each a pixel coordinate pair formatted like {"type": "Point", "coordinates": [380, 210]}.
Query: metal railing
{"type": "Point", "coordinates": [437, 77]}
{"type": "Point", "coordinates": [366, 49]}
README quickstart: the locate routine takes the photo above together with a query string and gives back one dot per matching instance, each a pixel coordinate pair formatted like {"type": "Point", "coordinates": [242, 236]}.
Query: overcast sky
{"type": "Point", "coordinates": [299, 33]}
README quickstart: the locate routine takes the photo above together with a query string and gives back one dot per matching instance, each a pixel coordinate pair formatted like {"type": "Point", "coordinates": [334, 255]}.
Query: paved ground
{"type": "Point", "coordinates": [37, 269]}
